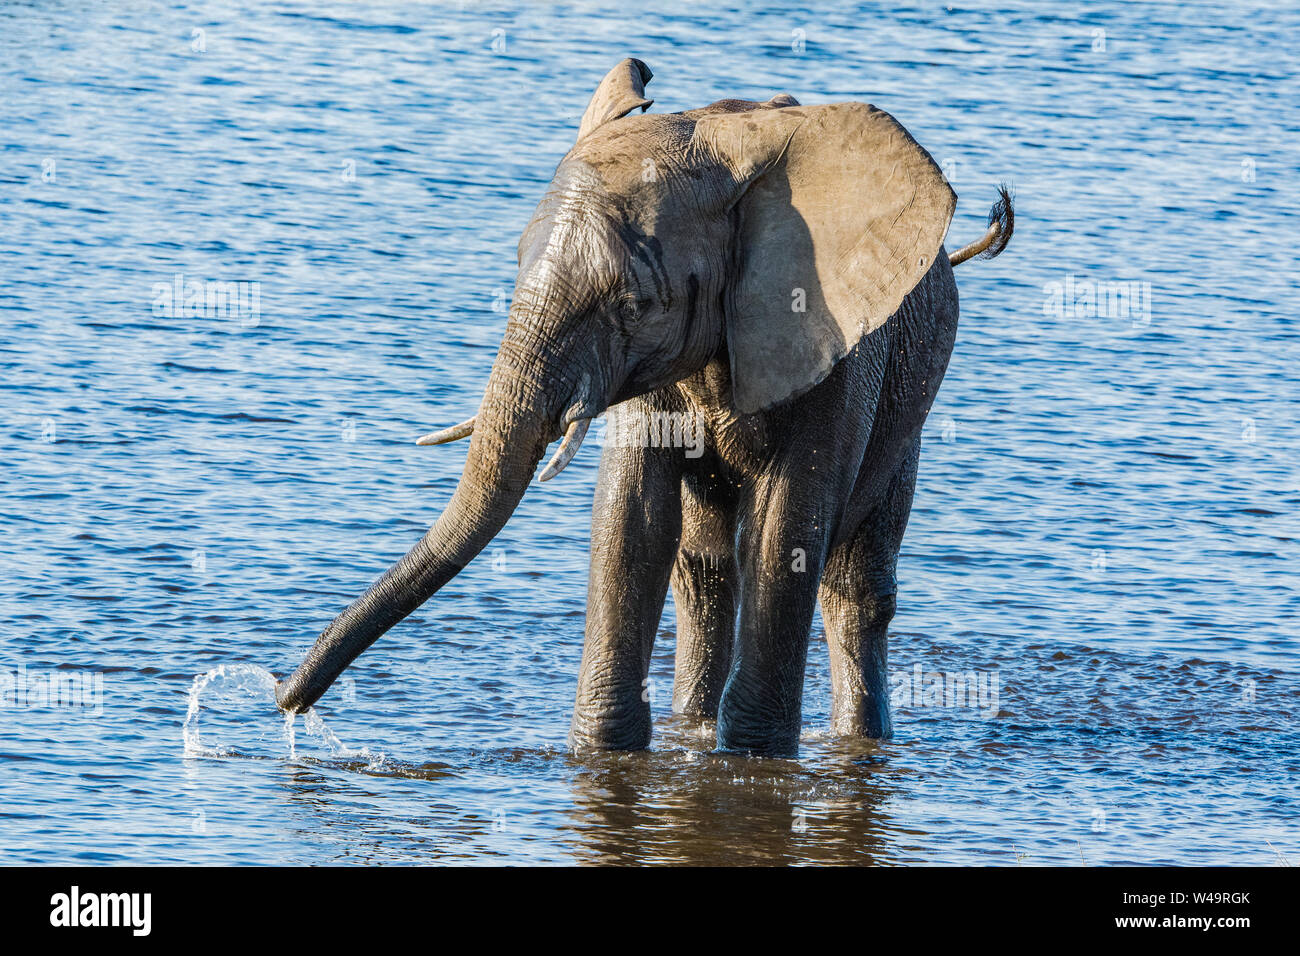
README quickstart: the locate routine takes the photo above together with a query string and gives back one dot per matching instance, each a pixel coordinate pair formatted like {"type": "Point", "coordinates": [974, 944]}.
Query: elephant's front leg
{"type": "Point", "coordinates": [705, 582]}
{"type": "Point", "coordinates": [635, 525]}
{"type": "Point", "coordinates": [782, 548]}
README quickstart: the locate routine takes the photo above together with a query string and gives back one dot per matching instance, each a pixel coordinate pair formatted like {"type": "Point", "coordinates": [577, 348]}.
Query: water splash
{"type": "Point", "coordinates": [289, 735]}
{"type": "Point", "coordinates": [237, 706]}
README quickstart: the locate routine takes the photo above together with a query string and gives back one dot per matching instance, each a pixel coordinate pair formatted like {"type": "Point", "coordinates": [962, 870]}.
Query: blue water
{"type": "Point", "coordinates": [1106, 519]}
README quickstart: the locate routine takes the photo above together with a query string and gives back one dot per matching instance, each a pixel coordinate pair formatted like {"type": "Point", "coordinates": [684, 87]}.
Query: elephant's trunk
{"type": "Point", "coordinates": [511, 433]}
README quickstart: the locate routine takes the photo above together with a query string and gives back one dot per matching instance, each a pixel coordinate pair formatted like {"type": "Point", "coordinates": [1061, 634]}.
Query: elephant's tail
{"type": "Point", "coordinates": [1002, 222]}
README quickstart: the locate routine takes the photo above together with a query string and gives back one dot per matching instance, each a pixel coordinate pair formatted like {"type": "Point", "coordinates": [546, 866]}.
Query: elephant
{"type": "Point", "coordinates": [771, 277]}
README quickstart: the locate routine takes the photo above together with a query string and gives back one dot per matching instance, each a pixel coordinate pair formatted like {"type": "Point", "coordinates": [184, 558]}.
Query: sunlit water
{"type": "Point", "coordinates": [1106, 523]}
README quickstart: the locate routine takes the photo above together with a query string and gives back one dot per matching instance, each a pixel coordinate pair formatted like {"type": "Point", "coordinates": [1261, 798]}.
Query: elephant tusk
{"type": "Point", "coordinates": [568, 448]}
{"type": "Point", "coordinates": [454, 433]}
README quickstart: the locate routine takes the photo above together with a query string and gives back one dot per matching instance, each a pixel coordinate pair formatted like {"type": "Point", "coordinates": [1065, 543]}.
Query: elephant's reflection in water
{"type": "Point", "coordinates": [677, 805]}
{"type": "Point", "coordinates": [712, 809]}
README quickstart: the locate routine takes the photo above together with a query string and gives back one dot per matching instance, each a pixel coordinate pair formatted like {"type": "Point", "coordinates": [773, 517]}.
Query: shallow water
{"type": "Point", "coordinates": [1106, 521]}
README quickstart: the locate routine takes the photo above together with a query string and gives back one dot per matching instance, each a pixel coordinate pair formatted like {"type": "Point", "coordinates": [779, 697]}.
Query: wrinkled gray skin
{"type": "Point", "coordinates": [624, 296]}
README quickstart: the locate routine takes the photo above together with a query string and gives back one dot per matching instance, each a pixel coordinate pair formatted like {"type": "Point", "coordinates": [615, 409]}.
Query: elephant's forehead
{"type": "Point", "coordinates": [591, 213]}
{"type": "Point", "coordinates": [635, 149]}
{"type": "Point", "coordinates": [609, 185]}
{"type": "Point", "coordinates": [573, 235]}
{"type": "Point", "coordinates": [574, 203]}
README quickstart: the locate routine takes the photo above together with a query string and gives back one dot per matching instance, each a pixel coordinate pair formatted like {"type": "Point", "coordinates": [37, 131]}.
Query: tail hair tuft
{"type": "Point", "coordinates": [1003, 213]}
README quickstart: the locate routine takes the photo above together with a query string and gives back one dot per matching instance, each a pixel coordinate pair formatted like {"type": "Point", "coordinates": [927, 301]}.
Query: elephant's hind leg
{"type": "Point", "coordinates": [705, 579]}
{"type": "Point", "coordinates": [857, 595]}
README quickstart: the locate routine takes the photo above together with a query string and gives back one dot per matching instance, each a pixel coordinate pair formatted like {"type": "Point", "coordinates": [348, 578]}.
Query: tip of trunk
{"type": "Point", "coordinates": [288, 701]}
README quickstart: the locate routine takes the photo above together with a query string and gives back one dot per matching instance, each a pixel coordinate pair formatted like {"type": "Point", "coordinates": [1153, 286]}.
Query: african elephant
{"type": "Point", "coordinates": [774, 276]}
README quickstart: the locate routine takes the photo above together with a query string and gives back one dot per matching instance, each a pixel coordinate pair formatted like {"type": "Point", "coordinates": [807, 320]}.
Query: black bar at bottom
{"type": "Point", "coordinates": [302, 906]}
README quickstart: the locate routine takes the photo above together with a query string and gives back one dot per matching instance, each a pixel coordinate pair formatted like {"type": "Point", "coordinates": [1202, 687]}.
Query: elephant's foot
{"type": "Point", "coordinates": [757, 735]}
{"type": "Point", "coordinates": [690, 731]}
{"type": "Point", "coordinates": [597, 729]}
{"type": "Point", "coordinates": [696, 700]}
{"type": "Point", "coordinates": [868, 717]}
{"type": "Point", "coordinates": [757, 744]}
{"type": "Point", "coordinates": [695, 713]}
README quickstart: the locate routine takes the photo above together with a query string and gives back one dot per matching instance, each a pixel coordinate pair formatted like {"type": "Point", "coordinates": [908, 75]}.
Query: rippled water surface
{"type": "Point", "coordinates": [1106, 521]}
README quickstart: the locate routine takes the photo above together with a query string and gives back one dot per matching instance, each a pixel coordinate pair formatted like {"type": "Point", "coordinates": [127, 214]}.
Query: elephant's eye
{"type": "Point", "coordinates": [630, 309]}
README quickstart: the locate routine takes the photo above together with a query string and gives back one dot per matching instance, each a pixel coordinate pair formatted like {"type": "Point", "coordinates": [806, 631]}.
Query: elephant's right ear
{"type": "Point", "coordinates": [839, 213]}
{"type": "Point", "coordinates": [619, 93]}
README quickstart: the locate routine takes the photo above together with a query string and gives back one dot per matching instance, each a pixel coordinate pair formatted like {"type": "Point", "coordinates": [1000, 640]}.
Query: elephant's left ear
{"type": "Point", "coordinates": [840, 214]}
{"type": "Point", "coordinates": [619, 93]}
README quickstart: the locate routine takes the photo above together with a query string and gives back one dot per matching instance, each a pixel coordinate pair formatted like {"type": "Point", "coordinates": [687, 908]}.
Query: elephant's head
{"type": "Point", "coordinates": [779, 233]}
